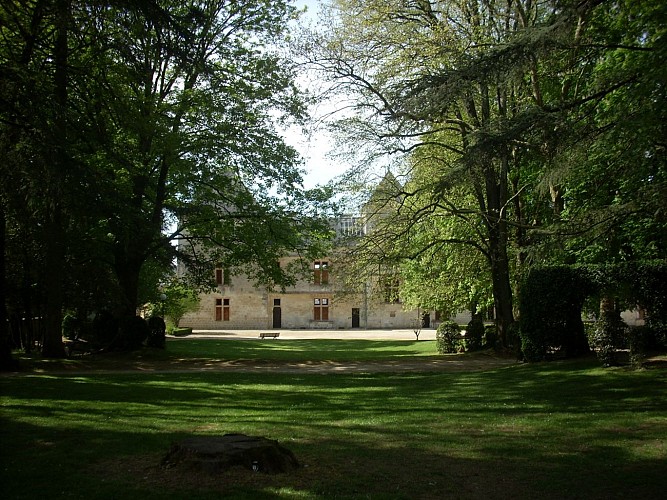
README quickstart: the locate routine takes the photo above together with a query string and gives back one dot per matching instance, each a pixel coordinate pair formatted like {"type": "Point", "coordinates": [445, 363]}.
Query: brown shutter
{"type": "Point", "coordinates": [317, 273]}
{"type": "Point", "coordinates": [218, 309]}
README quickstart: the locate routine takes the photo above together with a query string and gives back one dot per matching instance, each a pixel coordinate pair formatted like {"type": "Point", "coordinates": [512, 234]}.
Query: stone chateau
{"type": "Point", "coordinates": [313, 303]}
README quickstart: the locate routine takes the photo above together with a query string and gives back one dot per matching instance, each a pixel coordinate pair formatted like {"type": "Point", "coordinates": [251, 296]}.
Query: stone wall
{"type": "Point", "coordinates": [253, 308]}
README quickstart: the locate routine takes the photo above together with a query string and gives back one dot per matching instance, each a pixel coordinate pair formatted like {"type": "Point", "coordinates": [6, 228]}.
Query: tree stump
{"type": "Point", "coordinates": [215, 454]}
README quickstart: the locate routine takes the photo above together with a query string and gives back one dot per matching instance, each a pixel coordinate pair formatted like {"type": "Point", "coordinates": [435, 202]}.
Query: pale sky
{"type": "Point", "coordinates": [314, 150]}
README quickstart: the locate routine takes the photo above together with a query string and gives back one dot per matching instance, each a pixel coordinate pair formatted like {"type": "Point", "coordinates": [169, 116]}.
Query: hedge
{"type": "Point", "coordinates": [552, 299]}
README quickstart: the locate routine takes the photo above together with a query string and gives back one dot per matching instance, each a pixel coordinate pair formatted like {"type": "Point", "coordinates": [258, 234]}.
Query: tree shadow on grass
{"type": "Point", "coordinates": [348, 469]}
{"type": "Point", "coordinates": [547, 431]}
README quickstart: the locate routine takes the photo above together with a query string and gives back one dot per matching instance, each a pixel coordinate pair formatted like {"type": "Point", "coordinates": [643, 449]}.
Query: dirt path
{"type": "Point", "coordinates": [449, 363]}
{"type": "Point", "coordinates": [113, 363]}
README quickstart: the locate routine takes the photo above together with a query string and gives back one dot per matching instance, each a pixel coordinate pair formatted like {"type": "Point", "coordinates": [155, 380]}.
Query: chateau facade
{"type": "Point", "coordinates": [311, 304]}
{"type": "Point", "coordinates": [314, 302]}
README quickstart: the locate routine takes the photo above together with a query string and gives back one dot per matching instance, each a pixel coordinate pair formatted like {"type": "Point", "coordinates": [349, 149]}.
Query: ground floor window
{"type": "Point", "coordinates": [222, 309]}
{"type": "Point", "coordinates": [321, 309]}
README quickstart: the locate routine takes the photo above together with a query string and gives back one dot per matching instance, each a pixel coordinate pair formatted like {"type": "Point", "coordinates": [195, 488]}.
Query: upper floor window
{"type": "Point", "coordinates": [223, 276]}
{"type": "Point", "coordinates": [321, 272]}
{"type": "Point", "coordinates": [389, 286]}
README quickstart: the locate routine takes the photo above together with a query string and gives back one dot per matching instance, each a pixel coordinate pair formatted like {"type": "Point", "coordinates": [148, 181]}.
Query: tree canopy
{"type": "Point", "coordinates": [129, 125]}
{"type": "Point", "coordinates": [526, 132]}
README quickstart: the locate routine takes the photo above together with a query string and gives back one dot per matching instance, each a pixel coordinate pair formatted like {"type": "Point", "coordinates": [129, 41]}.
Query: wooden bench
{"type": "Point", "coordinates": [264, 335]}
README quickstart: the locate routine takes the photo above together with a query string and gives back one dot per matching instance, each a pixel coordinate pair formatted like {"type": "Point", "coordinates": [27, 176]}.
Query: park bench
{"type": "Point", "coordinates": [264, 335]}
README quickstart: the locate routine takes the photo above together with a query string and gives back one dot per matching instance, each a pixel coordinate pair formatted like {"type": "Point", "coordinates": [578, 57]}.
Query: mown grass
{"type": "Point", "coordinates": [304, 350]}
{"type": "Point", "coordinates": [558, 430]}
{"type": "Point", "coordinates": [184, 352]}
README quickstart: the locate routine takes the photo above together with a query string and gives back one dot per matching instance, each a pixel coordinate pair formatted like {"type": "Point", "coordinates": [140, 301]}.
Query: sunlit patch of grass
{"type": "Point", "coordinates": [302, 350]}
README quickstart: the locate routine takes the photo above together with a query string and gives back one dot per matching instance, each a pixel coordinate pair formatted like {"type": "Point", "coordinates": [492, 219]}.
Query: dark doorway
{"type": "Point", "coordinates": [277, 314]}
{"type": "Point", "coordinates": [426, 320]}
{"type": "Point", "coordinates": [355, 317]}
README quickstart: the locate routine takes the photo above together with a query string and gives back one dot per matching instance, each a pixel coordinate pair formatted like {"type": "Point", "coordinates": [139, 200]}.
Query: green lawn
{"type": "Point", "coordinates": [303, 350]}
{"type": "Point", "coordinates": [558, 430]}
{"type": "Point", "coordinates": [188, 352]}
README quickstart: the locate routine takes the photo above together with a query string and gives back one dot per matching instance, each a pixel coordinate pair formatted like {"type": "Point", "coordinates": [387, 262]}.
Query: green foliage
{"type": "Point", "coordinates": [172, 128]}
{"type": "Point", "coordinates": [180, 299]}
{"type": "Point", "coordinates": [551, 302]}
{"type": "Point", "coordinates": [545, 143]}
{"type": "Point", "coordinates": [533, 346]}
{"type": "Point", "coordinates": [105, 329]}
{"type": "Point", "coordinates": [132, 333]}
{"type": "Point", "coordinates": [658, 334]}
{"type": "Point", "coordinates": [179, 332]}
{"type": "Point", "coordinates": [474, 337]}
{"type": "Point", "coordinates": [616, 171]}
{"type": "Point", "coordinates": [70, 327]}
{"type": "Point", "coordinates": [639, 339]}
{"type": "Point", "coordinates": [609, 332]}
{"type": "Point", "coordinates": [491, 336]}
{"type": "Point", "coordinates": [448, 337]}
{"type": "Point", "coordinates": [158, 328]}
{"type": "Point", "coordinates": [634, 283]}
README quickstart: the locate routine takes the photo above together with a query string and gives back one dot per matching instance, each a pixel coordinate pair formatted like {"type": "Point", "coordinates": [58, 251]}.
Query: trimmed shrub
{"type": "Point", "coordinates": [70, 326]}
{"type": "Point", "coordinates": [448, 337]}
{"type": "Point", "coordinates": [609, 332]}
{"type": "Point", "coordinates": [533, 347]}
{"type": "Point", "coordinates": [514, 335]}
{"type": "Point", "coordinates": [474, 334]}
{"type": "Point", "coordinates": [490, 336]}
{"type": "Point", "coordinates": [105, 329]}
{"type": "Point", "coordinates": [657, 334]}
{"type": "Point", "coordinates": [550, 303]}
{"type": "Point", "coordinates": [132, 333]}
{"type": "Point", "coordinates": [181, 332]}
{"type": "Point", "coordinates": [639, 338]}
{"type": "Point", "coordinates": [589, 328]}
{"type": "Point", "coordinates": [158, 328]}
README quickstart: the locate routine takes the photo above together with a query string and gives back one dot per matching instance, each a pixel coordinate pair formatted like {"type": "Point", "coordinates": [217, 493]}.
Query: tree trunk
{"type": "Point", "coordinates": [497, 199]}
{"type": "Point", "coordinates": [128, 271]}
{"type": "Point", "coordinates": [7, 363]}
{"type": "Point", "coordinates": [502, 291]}
{"type": "Point", "coordinates": [576, 341]}
{"type": "Point", "coordinates": [53, 346]}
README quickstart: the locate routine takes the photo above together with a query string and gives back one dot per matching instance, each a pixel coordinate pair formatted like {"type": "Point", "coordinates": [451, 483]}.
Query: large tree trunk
{"type": "Point", "coordinates": [502, 289]}
{"type": "Point", "coordinates": [128, 271]}
{"type": "Point", "coordinates": [53, 346]}
{"type": "Point", "coordinates": [6, 361]}
{"type": "Point", "coordinates": [496, 181]}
